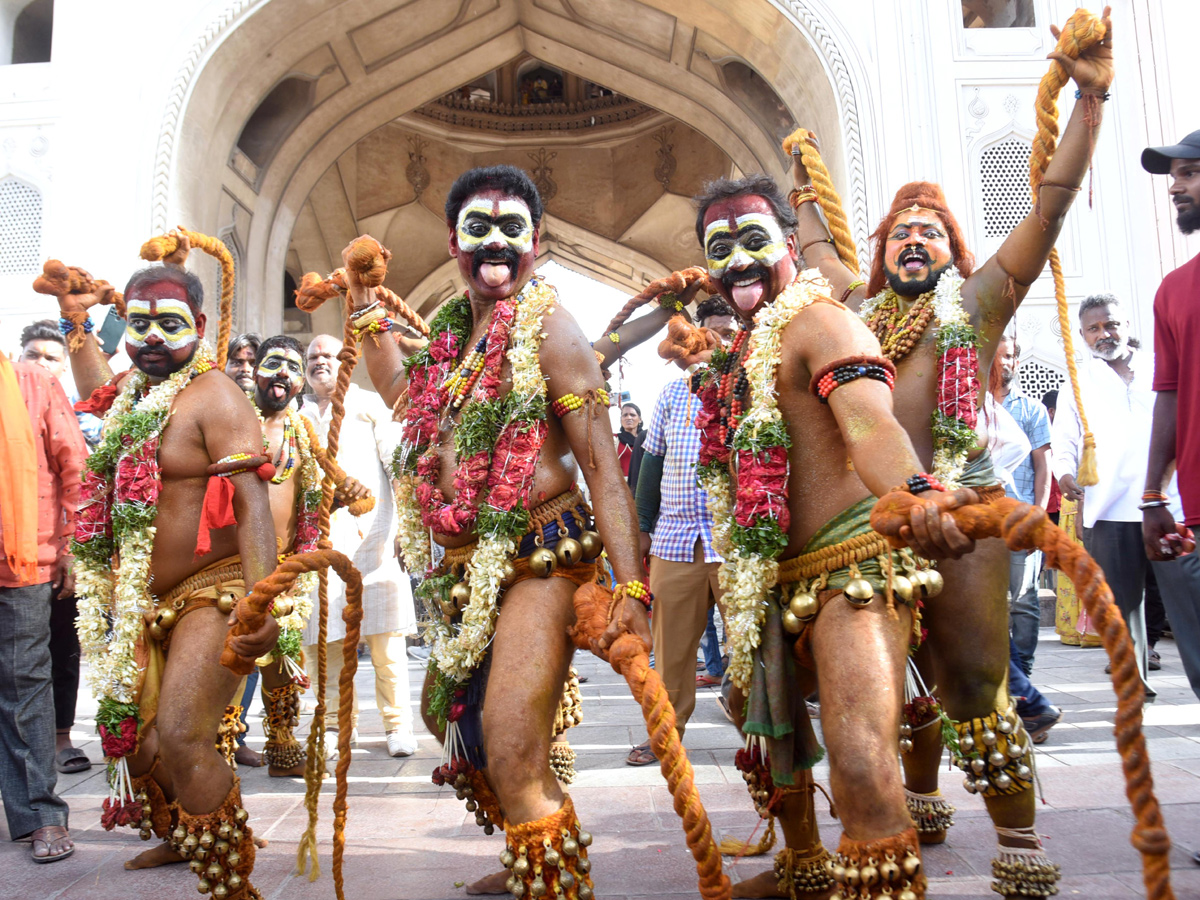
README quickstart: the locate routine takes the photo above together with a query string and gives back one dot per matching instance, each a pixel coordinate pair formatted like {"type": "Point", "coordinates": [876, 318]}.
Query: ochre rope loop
{"type": "Point", "coordinates": [674, 283]}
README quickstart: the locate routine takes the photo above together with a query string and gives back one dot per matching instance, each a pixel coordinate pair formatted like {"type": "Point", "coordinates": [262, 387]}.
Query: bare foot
{"type": "Point", "coordinates": [162, 855]}
{"type": "Point", "coordinates": [51, 843]}
{"type": "Point", "coordinates": [491, 884]}
{"type": "Point", "coordinates": [296, 771]}
{"type": "Point", "coordinates": [244, 756]}
{"type": "Point", "coordinates": [261, 842]}
{"type": "Point", "coordinates": [767, 885]}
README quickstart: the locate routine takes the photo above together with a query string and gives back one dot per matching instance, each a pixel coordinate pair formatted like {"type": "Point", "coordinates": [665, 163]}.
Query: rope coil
{"type": "Point", "coordinates": [674, 283]}
{"type": "Point", "coordinates": [1025, 527]}
{"type": "Point", "coordinates": [59, 280]}
{"type": "Point", "coordinates": [1080, 32]}
{"type": "Point", "coordinates": [801, 142]}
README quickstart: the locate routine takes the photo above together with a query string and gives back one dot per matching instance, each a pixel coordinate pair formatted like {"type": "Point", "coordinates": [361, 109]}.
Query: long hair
{"type": "Point", "coordinates": [930, 196]}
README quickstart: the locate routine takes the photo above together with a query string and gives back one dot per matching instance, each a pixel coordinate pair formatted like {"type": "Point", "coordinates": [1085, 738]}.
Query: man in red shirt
{"type": "Point", "coordinates": [1175, 434]}
{"type": "Point", "coordinates": [41, 453]}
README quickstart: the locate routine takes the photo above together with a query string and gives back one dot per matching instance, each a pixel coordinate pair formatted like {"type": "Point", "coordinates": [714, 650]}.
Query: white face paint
{"type": "Point", "coordinates": [280, 361]}
{"type": "Point", "coordinates": [482, 222]}
{"type": "Point", "coordinates": [758, 239]}
{"type": "Point", "coordinates": [171, 320]}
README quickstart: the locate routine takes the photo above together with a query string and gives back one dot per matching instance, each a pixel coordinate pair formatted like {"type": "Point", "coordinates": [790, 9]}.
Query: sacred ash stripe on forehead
{"type": "Point", "coordinates": [762, 220]}
{"type": "Point", "coordinates": [165, 306]}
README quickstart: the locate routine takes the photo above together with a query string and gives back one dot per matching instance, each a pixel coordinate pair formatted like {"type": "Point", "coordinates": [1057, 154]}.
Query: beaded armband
{"type": "Point", "coordinates": [379, 326]}
{"type": "Point", "coordinates": [571, 402]}
{"type": "Point", "coordinates": [66, 326]}
{"type": "Point", "coordinates": [638, 590]}
{"type": "Point", "coordinates": [670, 302]}
{"type": "Point", "coordinates": [615, 337]}
{"type": "Point", "coordinates": [238, 463]}
{"type": "Point", "coordinates": [804, 194]}
{"type": "Point", "coordinates": [921, 482]}
{"type": "Point", "coordinates": [841, 371]}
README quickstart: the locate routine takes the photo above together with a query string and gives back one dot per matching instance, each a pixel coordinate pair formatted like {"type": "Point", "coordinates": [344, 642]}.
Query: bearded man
{"type": "Point", "coordinates": [173, 429]}
{"type": "Point", "coordinates": [798, 439]}
{"type": "Point", "coordinates": [503, 401]}
{"type": "Point", "coordinates": [935, 306]}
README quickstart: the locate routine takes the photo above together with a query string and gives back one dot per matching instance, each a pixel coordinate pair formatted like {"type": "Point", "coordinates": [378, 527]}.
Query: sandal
{"type": "Point", "coordinates": [71, 759]}
{"type": "Point", "coordinates": [51, 833]}
{"type": "Point", "coordinates": [641, 755]}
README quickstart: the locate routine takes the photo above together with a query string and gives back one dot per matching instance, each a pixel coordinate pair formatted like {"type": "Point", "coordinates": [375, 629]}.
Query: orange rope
{"type": "Point", "coordinates": [333, 470]}
{"type": "Point", "coordinates": [631, 658]}
{"type": "Point", "coordinates": [673, 283]}
{"type": "Point", "coordinates": [827, 196]}
{"type": "Point", "coordinates": [58, 280]}
{"type": "Point", "coordinates": [164, 245]}
{"type": "Point", "coordinates": [1025, 527]}
{"type": "Point", "coordinates": [1080, 32]}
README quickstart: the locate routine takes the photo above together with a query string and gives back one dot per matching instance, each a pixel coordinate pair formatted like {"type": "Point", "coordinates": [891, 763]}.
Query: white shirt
{"type": "Point", "coordinates": [1120, 416]}
{"type": "Point", "coordinates": [1006, 441]}
{"type": "Point", "coordinates": [365, 445]}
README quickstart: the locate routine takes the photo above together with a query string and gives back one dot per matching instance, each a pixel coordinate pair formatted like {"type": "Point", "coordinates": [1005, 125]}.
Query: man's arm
{"type": "Point", "coordinates": [65, 453]}
{"type": "Point", "coordinates": [1041, 475]}
{"type": "Point", "coordinates": [1157, 521]}
{"type": "Point", "coordinates": [384, 355]}
{"type": "Point", "coordinates": [1025, 251]}
{"type": "Point", "coordinates": [1066, 443]}
{"type": "Point", "coordinates": [88, 364]}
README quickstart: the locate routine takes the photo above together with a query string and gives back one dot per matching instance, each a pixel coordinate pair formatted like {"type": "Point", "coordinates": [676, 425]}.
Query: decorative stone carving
{"type": "Point", "coordinates": [978, 109]}
{"type": "Point", "coordinates": [509, 118]}
{"type": "Point", "coordinates": [416, 172]}
{"type": "Point", "coordinates": [666, 159]}
{"type": "Point", "coordinates": [541, 172]}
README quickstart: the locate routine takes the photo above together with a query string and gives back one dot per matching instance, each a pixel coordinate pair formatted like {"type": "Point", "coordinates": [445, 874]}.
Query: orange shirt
{"type": "Point", "coordinates": [61, 452]}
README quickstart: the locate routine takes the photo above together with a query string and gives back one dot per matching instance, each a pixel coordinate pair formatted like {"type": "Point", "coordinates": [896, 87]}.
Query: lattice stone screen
{"type": "Point", "coordinates": [1004, 171]}
{"type": "Point", "coordinates": [20, 227]}
{"type": "Point", "coordinates": [1037, 378]}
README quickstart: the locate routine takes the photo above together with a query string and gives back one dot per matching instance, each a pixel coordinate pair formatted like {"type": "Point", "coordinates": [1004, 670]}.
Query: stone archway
{"type": "Point", "coordinates": [367, 71]}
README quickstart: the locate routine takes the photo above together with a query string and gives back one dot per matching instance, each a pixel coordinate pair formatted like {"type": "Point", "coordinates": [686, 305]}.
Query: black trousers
{"type": "Point", "coordinates": [64, 660]}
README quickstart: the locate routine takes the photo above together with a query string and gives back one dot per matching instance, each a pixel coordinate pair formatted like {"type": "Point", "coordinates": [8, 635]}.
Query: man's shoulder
{"type": "Point", "coordinates": [1182, 281]}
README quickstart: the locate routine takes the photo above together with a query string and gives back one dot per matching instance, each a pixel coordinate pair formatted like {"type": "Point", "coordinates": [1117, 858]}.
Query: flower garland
{"type": "Point", "coordinates": [497, 444]}
{"type": "Point", "coordinates": [956, 413]}
{"type": "Point", "coordinates": [750, 524]}
{"type": "Point", "coordinates": [117, 508]}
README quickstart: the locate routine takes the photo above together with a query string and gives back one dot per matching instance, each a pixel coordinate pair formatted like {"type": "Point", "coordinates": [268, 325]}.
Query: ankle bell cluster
{"type": "Point", "coordinates": [803, 873]}
{"type": "Point", "coordinates": [889, 867]}
{"type": "Point", "coordinates": [995, 752]}
{"type": "Point", "coordinates": [931, 813]}
{"type": "Point", "coordinates": [219, 847]}
{"type": "Point", "coordinates": [282, 750]}
{"type": "Point", "coordinates": [1021, 872]}
{"type": "Point", "coordinates": [548, 858]}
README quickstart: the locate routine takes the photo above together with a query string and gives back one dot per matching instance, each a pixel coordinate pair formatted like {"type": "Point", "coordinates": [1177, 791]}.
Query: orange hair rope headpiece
{"type": "Point", "coordinates": [158, 248]}
{"type": "Point", "coordinates": [671, 284]}
{"type": "Point", "coordinates": [800, 143]}
{"type": "Point", "coordinates": [630, 657]}
{"type": "Point", "coordinates": [58, 280]}
{"type": "Point", "coordinates": [1026, 527]}
{"type": "Point", "coordinates": [252, 611]}
{"type": "Point", "coordinates": [1080, 32]}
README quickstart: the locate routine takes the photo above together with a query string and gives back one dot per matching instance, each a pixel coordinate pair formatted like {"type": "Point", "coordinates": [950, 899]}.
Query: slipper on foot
{"type": "Point", "coordinates": [50, 834]}
{"type": "Point", "coordinates": [71, 759]}
{"type": "Point", "coordinates": [641, 755]}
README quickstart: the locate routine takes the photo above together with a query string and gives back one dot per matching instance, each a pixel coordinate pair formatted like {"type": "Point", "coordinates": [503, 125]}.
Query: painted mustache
{"type": "Point", "coordinates": [750, 273]}
{"type": "Point", "coordinates": [485, 254]}
{"type": "Point", "coordinates": [910, 253]}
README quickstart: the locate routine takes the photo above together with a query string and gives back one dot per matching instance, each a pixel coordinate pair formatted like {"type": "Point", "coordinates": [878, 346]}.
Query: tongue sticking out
{"type": "Point", "coordinates": [914, 265]}
{"type": "Point", "coordinates": [749, 296]}
{"type": "Point", "coordinates": [494, 274]}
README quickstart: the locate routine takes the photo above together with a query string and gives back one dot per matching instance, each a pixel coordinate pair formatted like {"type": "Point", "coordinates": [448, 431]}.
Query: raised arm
{"type": "Point", "coordinates": [88, 365]}
{"type": "Point", "coordinates": [1024, 252]}
{"type": "Point", "coordinates": [630, 334]}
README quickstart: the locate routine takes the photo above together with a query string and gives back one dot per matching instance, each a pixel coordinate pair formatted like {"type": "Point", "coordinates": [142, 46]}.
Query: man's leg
{"type": "Point", "coordinates": [333, 671]}
{"type": "Point", "coordinates": [1026, 613]}
{"type": "Point", "coordinates": [389, 656]}
{"type": "Point", "coordinates": [530, 655]}
{"type": "Point", "coordinates": [1156, 616]}
{"type": "Point", "coordinates": [27, 776]}
{"type": "Point", "coordinates": [64, 663]}
{"type": "Point", "coordinates": [711, 646]}
{"type": "Point", "coordinates": [1179, 584]}
{"type": "Point", "coordinates": [283, 755]}
{"type": "Point", "coordinates": [247, 756]}
{"type": "Point", "coordinates": [1117, 549]}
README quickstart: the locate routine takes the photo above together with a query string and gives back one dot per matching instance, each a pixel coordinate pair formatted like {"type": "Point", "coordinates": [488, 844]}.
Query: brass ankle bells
{"type": "Point", "coordinates": [994, 752]}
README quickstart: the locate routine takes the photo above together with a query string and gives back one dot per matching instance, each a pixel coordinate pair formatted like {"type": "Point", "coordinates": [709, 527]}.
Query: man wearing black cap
{"type": "Point", "coordinates": [1175, 436]}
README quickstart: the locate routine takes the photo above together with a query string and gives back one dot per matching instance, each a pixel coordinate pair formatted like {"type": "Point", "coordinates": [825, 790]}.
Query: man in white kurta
{"type": "Point", "coordinates": [368, 438]}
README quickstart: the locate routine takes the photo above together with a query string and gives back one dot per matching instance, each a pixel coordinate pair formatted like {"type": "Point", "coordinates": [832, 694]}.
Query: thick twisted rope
{"type": "Point", "coordinates": [1025, 527]}
{"type": "Point", "coordinates": [800, 143]}
{"type": "Point", "coordinates": [331, 468]}
{"type": "Point", "coordinates": [59, 280]}
{"type": "Point", "coordinates": [671, 284]}
{"type": "Point", "coordinates": [1080, 32]}
{"type": "Point", "coordinates": [164, 245]}
{"type": "Point", "coordinates": [631, 658]}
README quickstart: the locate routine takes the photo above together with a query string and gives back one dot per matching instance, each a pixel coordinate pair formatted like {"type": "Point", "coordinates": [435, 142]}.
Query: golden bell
{"type": "Point", "coordinates": [203, 886]}
{"type": "Point", "coordinates": [934, 582]}
{"type": "Point", "coordinates": [447, 606]}
{"type": "Point", "coordinates": [902, 587]}
{"type": "Point", "coordinates": [283, 608]}
{"type": "Point", "coordinates": [460, 596]}
{"type": "Point", "coordinates": [226, 603]}
{"type": "Point", "coordinates": [791, 623]}
{"type": "Point", "coordinates": [234, 881]}
{"type": "Point", "coordinates": [508, 573]}
{"type": "Point", "coordinates": [542, 562]}
{"type": "Point", "coordinates": [569, 551]}
{"type": "Point", "coordinates": [156, 632]}
{"type": "Point", "coordinates": [804, 606]}
{"type": "Point", "coordinates": [592, 544]}
{"type": "Point", "coordinates": [220, 892]}
{"type": "Point", "coordinates": [167, 618]}
{"type": "Point", "coordinates": [859, 591]}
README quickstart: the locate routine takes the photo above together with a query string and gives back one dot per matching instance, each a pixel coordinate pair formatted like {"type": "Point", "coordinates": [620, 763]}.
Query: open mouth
{"type": "Point", "coordinates": [277, 390]}
{"type": "Point", "coordinates": [913, 259]}
{"type": "Point", "coordinates": [747, 287]}
{"type": "Point", "coordinates": [495, 267]}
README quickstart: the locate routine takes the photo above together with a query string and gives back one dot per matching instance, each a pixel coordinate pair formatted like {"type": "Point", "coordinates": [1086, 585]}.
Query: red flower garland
{"type": "Point", "coordinates": [958, 384]}
{"type": "Point", "coordinates": [762, 487]}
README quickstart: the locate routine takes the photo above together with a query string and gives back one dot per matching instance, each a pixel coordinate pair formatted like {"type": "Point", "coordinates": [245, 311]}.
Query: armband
{"type": "Point", "coordinates": [841, 371]}
{"type": "Point", "coordinates": [571, 402]}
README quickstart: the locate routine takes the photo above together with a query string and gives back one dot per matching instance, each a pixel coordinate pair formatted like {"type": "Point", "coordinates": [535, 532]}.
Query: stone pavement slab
{"type": "Point", "coordinates": [407, 839]}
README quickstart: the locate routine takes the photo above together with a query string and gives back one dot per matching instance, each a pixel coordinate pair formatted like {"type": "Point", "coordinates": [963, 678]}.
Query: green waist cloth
{"type": "Point", "coordinates": [979, 472]}
{"type": "Point", "coordinates": [849, 523]}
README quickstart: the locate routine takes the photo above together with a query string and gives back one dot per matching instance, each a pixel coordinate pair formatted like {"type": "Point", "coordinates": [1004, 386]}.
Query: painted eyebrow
{"type": "Point", "coordinates": [913, 225]}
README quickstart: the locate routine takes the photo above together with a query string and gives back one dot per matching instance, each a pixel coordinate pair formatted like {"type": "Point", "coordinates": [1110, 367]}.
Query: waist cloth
{"type": "Point", "coordinates": [205, 588]}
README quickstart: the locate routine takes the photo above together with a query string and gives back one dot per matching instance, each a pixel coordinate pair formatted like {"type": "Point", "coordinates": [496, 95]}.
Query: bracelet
{"type": "Point", "coordinates": [850, 289]}
{"type": "Point", "coordinates": [1103, 95]}
{"type": "Point", "coordinates": [614, 337]}
{"type": "Point", "coordinates": [638, 590]}
{"type": "Point", "coordinates": [801, 195]}
{"type": "Point", "coordinates": [825, 240]}
{"type": "Point", "coordinates": [359, 313]}
{"type": "Point", "coordinates": [841, 371]}
{"type": "Point", "coordinates": [1153, 495]}
{"type": "Point", "coordinates": [1152, 504]}
{"type": "Point", "coordinates": [373, 313]}
{"type": "Point", "coordinates": [668, 301]}
{"type": "Point", "coordinates": [66, 326]}
{"type": "Point", "coordinates": [921, 482]}
{"type": "Point", "coordinates": [377, 326]}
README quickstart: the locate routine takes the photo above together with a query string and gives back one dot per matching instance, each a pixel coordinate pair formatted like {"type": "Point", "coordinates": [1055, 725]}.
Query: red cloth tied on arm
{"type": "Point", "coordinates": [216, 511]}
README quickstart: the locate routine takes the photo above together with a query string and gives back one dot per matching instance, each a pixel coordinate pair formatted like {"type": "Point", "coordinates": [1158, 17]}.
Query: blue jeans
{"type": "Point", "coordinates": [1025, 613]}
{"type": "Point", "coordinates": [712, 647]}
{"type": "Point", "coordinates": [245, 700]}
{"type": "Point", "coordinates": [1029, 699]}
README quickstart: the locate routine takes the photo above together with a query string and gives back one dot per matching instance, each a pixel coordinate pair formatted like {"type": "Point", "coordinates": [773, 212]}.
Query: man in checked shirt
{"type": "Point", "coordinates": [676, 530]}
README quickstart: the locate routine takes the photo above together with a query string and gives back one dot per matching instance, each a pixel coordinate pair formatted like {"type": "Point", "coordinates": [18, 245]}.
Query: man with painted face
{"type": "Point", "coordinates": [503, 401]}
{"type": "Point", "coordinates": [928, 303]}
{"type": "Point", "coordinates": [173, 427]}
{"type": "Point", "coordinates": [798, 440]}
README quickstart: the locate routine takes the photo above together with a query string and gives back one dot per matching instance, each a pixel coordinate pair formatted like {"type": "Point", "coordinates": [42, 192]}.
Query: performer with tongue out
{"type": "Point", "coordinates": [499, 405]}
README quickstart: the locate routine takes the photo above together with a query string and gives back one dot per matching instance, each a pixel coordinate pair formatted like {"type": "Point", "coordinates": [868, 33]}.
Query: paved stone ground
{"type": "Point", "coordinates": [408, 839]}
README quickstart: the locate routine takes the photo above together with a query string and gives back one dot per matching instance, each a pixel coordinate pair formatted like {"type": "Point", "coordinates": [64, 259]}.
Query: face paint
{"type": "Point", "coordinates": [758, 239]}
{"type": "Point", "coordinates": [482, 223]}
{"type": "Point", "coordinates": [170, 320]}
{"type": "Point", "coordinates": [916, 252]}
{"type": "Point", "coordinates": [278, 378]}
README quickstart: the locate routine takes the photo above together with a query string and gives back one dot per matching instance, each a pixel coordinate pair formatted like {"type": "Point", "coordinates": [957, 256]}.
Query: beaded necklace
{"type": "Point", "coordinates": [898, 332]}
{"type": "Point", "coordinates": [732, 386]}
{"type": "Point", "coordinates": [459, 384]}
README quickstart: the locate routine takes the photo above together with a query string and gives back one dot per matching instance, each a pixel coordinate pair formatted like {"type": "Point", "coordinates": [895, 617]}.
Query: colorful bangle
{"type": "Point", "coordinates": [614, 337]}
{"type": "Point", "coordinates": [1153, 495]}
{"type": "Point", "coordinates": [1152, 504]}
{"type": "Point", "coordinates": [638, 590]}
{"type": "Point", "coordinates": [669, 301]}
{"type": "Point", "coordinates": [571, 402]}
{"type": "Point", "coordinates": [803, 194]}
{"type": "Point", "coordinates": [66, 326]}
{"type": "Point", "coordinates": [842, 371]}
{"type": "Point", "coordinates": [921, 482]}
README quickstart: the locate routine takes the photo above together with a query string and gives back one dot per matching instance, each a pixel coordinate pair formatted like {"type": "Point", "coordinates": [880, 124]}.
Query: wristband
{"type": "Point", "coordinates": [1152, 504]}
{"type": "Point", "coordinates": [1103, 95]}
{"type": "Point", "coordinates": [66, 326]}
{"type": "Point", "coordinates": [669, 301]}
{"type": "Point", "coordinates": [637, 590]}
{"type": "Point", "coordinates": [921, 482]}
